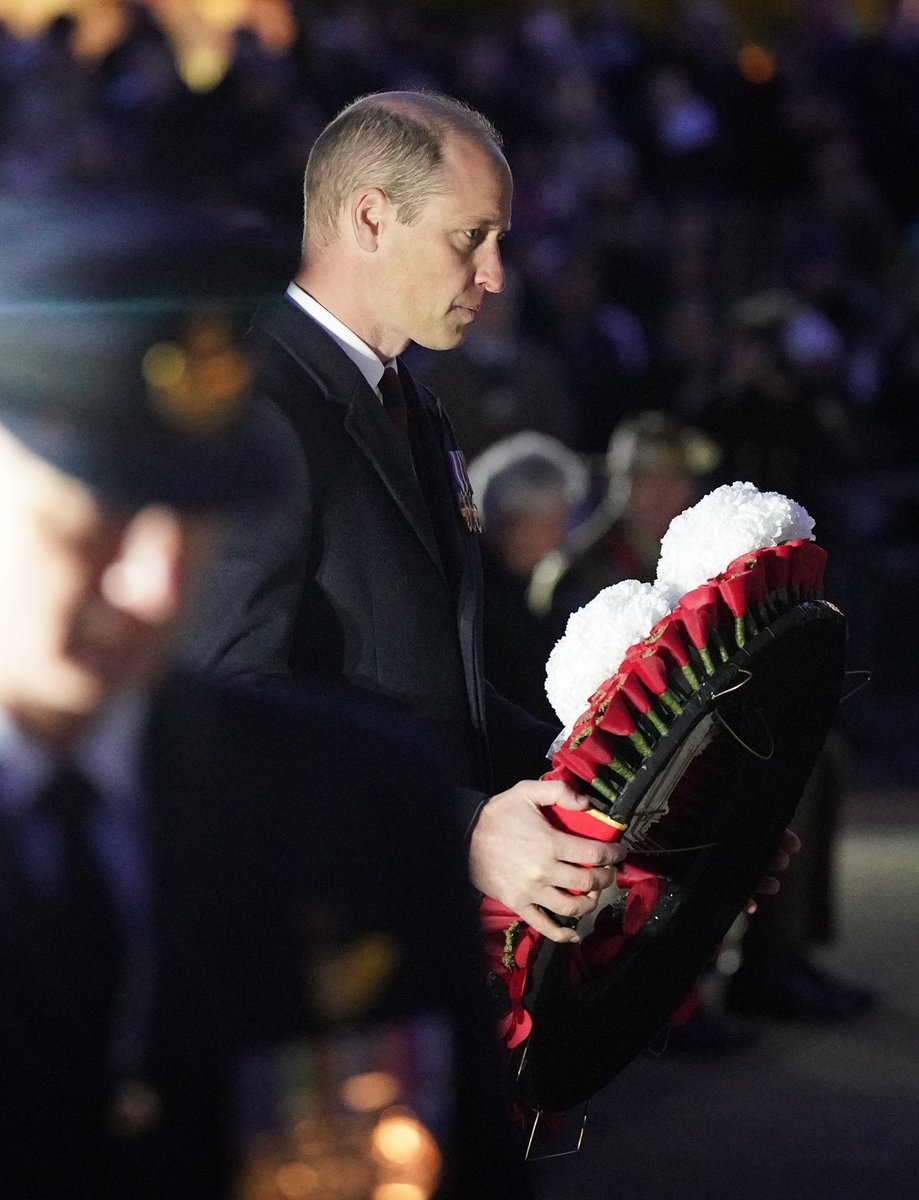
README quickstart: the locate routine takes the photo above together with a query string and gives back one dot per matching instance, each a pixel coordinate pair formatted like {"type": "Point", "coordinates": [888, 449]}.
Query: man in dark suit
{"type": "Point", "coordinates": [191, 874]}
{"type": "Point", "coordinates": [371, 572]}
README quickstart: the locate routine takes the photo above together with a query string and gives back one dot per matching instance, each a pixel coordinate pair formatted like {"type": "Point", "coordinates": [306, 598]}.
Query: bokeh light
{"type": "Point", "coordinates": [201, 32]}
{"type": "Point", "coordinates": [370, 1091]}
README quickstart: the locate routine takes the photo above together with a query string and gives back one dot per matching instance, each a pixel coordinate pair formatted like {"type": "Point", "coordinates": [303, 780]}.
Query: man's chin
{"type": "Point", "coordinates": [447, 339]}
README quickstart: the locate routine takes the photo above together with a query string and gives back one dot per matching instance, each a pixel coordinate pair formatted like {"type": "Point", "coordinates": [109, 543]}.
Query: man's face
{"type": "Point", "coordinates": [88, 598]}
{"type": "Point", "coordinates": [435, 273]}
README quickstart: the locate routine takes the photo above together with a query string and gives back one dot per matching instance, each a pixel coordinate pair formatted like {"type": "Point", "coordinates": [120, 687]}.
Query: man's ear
{"type": "Point", "coordinates": [370, 209]}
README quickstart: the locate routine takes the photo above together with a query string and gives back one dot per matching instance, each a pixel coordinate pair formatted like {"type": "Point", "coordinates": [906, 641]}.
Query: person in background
{"type": "Point", "coordinates": [778, 976]}
{"type": "Point", "coordinates": [529, 488]}
{"type": "Point", "coordinates": [193, 876]}
{"type": "Point", "coordinates": [655, 468]}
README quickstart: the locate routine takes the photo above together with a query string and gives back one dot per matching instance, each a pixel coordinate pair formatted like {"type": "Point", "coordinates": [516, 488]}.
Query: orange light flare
{"type": "Point", "coordinates": [756, 64]}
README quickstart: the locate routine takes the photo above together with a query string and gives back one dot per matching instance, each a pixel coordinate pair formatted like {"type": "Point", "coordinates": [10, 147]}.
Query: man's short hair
{"type": "Point", "coordinates": [390, 140]}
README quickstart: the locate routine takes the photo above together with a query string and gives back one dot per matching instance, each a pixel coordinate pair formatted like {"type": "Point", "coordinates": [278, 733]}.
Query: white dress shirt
{"type": "Point", "coordinates": [365, 359]}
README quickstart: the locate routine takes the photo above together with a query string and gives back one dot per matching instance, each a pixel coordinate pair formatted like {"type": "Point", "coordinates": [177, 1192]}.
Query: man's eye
{"type": "Point", "coordinates": [473, 234]}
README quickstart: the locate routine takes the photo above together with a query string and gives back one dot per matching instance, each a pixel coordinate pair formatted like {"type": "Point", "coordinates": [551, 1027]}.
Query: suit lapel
{"type": "Point", "coordinates": [365, 420]}
{"type": "Point", "coordinates": [434, 479]}
{"type": "Point", "coordinates": [461, 556]}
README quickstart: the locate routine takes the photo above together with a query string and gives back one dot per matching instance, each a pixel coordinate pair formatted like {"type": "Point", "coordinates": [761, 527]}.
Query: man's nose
{"type": "Point", "coordinates": [145, 577]}
{"type": "Point", "coordinates": [490, 268]}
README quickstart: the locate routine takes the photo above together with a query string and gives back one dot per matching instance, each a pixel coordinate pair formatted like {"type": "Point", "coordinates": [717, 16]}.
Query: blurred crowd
{"type": "Point", "coordinates": [717, 230]}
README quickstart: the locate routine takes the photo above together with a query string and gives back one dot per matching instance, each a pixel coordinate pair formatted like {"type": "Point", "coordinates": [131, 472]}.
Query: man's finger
{"type": "Point", "coordinates": [780, 861]}
{"type": "Point", "coordinates": [543, 923]}
{"type": "Point", "coordinates": [791, 843]}
{"type": "Point", "coordinates": [546, 792]}
{"type": "Point", "coordinates": [564, 905]}
{"type": "Point", "coordinates": [580, 879]}
{"type": "Point", "coordinates": [587, 852]}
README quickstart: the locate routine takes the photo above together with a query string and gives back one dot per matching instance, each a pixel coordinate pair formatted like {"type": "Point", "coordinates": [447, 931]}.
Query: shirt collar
{"type": "Point", "coordinates": [366, 361]}
{"type": "Point", "coordinates": [109, 754]}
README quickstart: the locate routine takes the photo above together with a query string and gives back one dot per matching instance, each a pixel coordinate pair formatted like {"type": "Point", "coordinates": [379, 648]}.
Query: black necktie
{"type": "Point", "coordinates": [394, 400]}
{"type": "Point", "coordinates": [80, 923]}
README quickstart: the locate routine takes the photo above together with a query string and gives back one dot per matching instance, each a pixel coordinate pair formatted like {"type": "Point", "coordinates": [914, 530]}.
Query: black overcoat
{"type": "Point", "coordinates": [368, 571]}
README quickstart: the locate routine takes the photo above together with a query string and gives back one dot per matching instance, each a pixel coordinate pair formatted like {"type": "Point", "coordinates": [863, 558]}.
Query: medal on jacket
{"type": "Point", "coordinates": [464, 496]}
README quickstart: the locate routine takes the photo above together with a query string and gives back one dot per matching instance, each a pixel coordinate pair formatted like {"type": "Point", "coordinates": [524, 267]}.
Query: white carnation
{"type": "Point", "coordinates": [595, 642]}
{"type": "Point", "coordinates": [732, 520]}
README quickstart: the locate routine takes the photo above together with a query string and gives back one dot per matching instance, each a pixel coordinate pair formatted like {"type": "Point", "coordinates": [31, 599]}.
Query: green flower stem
{"type": "Point", "coordinates": [656, 721]}
{"type": "Point", "coordinates": [620, 768]}
{"type": "Point", "coordinates": [641, 744]}
{"type": "Point", "coordinates": [672, 703]}
{"type": "Point", "coordinates": [604, 789]}
{"type": "Point", "coordinates": [510, 944]}
{"type": "Point", "coordinates": [706, 660]}
{"type": "Point", "coordinates": [720, 646]}
{"type": "Point", "coordinates": [740, 631]}
{"type": "Point", "coordinates": [691, 677]}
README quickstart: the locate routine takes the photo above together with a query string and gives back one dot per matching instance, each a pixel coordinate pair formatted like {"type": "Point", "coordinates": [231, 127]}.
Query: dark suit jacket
{"type": "Point", "coordinates": [276, 840]}
{"type": "Point", "coordinates": [366, 573]}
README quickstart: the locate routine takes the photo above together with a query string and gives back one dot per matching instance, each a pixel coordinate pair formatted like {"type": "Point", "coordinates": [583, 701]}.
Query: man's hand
{"type": "Point", "coordinates": [769, 885]}
{"type": "Point", "coordinates": [518, 858]}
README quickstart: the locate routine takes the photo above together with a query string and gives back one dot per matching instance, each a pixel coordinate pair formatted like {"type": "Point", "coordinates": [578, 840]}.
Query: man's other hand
{"type": "Point", "coordinates": [769, 885]}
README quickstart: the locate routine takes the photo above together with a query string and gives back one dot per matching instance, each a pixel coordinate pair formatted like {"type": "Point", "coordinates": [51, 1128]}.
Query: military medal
{"type": "Point", "coordinates": [464, 496]}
